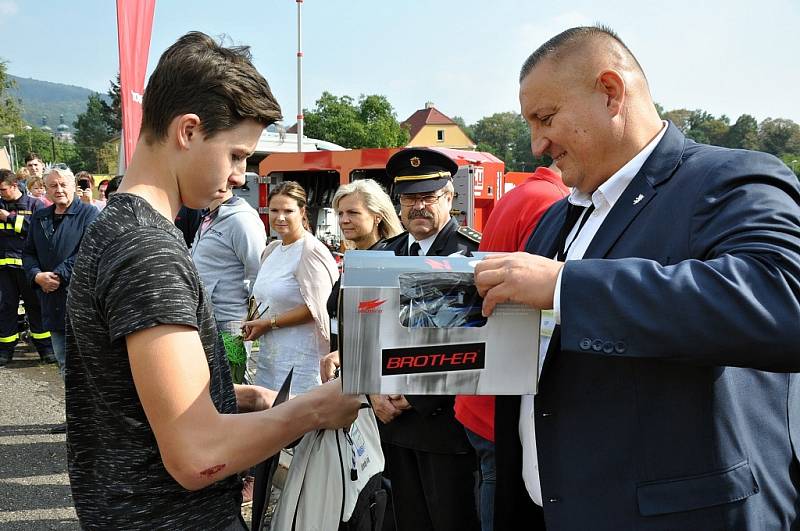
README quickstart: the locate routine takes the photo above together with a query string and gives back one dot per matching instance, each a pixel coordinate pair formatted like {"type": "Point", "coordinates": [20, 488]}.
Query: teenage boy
{"type": "Point", "coordinates": [153, 441]}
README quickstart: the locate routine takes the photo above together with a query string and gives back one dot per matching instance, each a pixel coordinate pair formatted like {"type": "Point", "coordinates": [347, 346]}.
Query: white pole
{"type": "Point", "coordinates": [299, 78]}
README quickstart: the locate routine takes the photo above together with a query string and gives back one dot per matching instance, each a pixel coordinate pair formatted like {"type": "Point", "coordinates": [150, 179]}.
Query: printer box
{"type": "Point", "coordinates": [413, 325]}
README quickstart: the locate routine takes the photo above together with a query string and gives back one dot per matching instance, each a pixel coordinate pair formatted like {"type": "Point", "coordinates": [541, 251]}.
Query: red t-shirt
{"type": "Point", "coordinates": [508, 228]}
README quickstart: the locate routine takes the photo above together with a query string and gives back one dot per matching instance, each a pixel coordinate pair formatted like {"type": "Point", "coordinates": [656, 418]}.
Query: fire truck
{"type": "Point", "coordinates": [479, 183]}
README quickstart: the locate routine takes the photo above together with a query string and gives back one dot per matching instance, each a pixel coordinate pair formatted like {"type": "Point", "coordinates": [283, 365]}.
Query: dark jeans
{"type": "Point", "coordinates": [484, 448]}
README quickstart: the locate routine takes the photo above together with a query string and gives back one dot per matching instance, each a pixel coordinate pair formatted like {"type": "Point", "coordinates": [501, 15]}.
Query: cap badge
{"type": "Point", "coordinates": [414, 162]}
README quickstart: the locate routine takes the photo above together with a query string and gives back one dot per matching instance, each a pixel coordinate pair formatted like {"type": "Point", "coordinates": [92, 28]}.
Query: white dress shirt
{"type": "Point", "coordinates": [424, 245]}
{"type": "Point", "coordinates": [603, 199]}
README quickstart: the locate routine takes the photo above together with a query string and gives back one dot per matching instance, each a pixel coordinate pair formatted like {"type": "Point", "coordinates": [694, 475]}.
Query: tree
{"type": "Point", "coordinates": [699, 125]}
{"type": "Point", "coordinates": [680, 117]}
{"type": "Point", "coordinates": [369, 123]}
{"type": "Point", "coordinates": [114, 110]}
{"type": "Point", "coordinates": [10, 115]}
{"type": "Point", "coordinates": [506, 136]}
{"type": "Point", "coordinates": [92, 130]}
{"type": "Point", "coordinates": [776, 135]}
{"type": "Point", "coordinates": [743, 134]}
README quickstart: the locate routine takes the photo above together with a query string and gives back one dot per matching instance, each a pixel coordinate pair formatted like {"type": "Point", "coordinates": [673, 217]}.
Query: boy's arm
{"type": "Point", "coordinates": [198, 445]}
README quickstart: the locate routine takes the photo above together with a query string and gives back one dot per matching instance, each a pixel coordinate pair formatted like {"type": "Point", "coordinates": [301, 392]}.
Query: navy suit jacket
{"type": "Point", "coordinates": [55, 250]}
{"type": "Point", "coordinates": [668, 398]}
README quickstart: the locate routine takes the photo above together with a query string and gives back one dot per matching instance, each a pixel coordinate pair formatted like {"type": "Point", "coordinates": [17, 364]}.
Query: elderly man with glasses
{"type": "Point", "coordinates": [428, 457]}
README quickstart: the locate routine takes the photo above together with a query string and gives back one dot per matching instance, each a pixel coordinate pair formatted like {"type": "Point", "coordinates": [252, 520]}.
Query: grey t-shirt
{"type": "Point", "coordinates": [134, 272]}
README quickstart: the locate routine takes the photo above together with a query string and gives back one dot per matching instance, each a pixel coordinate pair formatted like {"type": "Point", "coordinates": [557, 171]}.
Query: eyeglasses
{"type": "Point", "coordinates": [411, 200]}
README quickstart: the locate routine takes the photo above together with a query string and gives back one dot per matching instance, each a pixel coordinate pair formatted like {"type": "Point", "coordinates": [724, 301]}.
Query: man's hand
{"type": "Point", "coordinates": [253, 398]}
{"type": "Point", "coordinates": [48, 281]}
{"type": "Point", "coordinates": [517, 277]}
{"type": "Point", "coordinates": [4, 214]}
{"type": "Point", "coordinates": [328, 365]}
{"type": "Point", "coordinates": [384, 408]}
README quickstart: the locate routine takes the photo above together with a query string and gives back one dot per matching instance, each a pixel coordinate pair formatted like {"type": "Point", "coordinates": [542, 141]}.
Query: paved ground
{"type": "Point", "coordinates": [34, 486]}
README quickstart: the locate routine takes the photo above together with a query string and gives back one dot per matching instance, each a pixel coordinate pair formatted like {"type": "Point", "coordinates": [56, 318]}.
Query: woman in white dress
{"type": "Point", "coordinates": [296, 276]}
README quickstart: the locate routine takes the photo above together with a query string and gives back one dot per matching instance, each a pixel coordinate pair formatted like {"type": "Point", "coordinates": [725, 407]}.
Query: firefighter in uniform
{"type": "Point", "coordinates": [428, 458]}
{"type": "Point", "coordinates": [16, 210]}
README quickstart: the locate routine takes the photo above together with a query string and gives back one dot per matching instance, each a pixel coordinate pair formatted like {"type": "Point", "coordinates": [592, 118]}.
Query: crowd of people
{"type": "Point", "coordinates": [667, 273]}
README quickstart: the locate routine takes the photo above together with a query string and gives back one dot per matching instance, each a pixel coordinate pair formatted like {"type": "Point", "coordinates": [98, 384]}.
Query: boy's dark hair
{"type": "Point", "coordinates": [220, 85]}
{"type": "Point", "coordinates": [8, 177]}
{"type": "Point", "coordinates": [32, 156]}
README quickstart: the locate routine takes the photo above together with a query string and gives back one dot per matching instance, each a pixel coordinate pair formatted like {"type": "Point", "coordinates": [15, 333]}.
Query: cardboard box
{"type": "Point", "coordinates": [412, 325]}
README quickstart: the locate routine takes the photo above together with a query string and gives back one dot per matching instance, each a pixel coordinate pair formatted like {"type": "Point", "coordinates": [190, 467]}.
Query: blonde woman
{"type": "Point", "coordinates": [367, 218]}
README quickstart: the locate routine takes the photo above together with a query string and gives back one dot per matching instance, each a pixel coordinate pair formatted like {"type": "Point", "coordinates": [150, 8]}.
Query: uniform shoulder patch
{"type": "Point", "coordinates": [470, 234]}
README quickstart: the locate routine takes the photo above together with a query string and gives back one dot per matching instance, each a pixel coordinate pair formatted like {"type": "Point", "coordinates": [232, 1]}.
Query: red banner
{"type": "Point", "coordinates": [134, 26]}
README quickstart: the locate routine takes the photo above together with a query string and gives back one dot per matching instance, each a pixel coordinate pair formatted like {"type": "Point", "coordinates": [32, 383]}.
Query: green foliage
{"type": "Point", "coordinates": [114, 109]}
{"type": "Point", "coordinates": [777, 135]}
{"type": "Point", "coordinates": [93, 129]}
{"type": "Point", "coordinates": [369, 123]}
{"type": "Point", "coordinates": [743, 134]}
{"type": "Point", "coordinates": [793, 161]}
{"type": "Point", "coordinates": [506, 136]}
{"type": "Point", "coordinates": [10, 116]}
{"type": "Point", "coordinates": [43, 98]}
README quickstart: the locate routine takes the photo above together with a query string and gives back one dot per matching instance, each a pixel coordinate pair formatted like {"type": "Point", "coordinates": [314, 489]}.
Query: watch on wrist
{"type": "Point", "coordinates": [273, 322]}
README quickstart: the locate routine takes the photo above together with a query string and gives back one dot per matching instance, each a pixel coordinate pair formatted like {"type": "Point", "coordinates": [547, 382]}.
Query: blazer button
{"type": "Point", "coordinates": [597, 345]}
{"type": "Point", "coordinates": [553, 500]}
{"type": "Point", "coordinates": [586, 343]}
{"type": "Point", "coordinates": [620, 347]}
{"type": "Point", "coordinates": [608, 347]}
{"type": "Point", "coordinates": [544, 414]}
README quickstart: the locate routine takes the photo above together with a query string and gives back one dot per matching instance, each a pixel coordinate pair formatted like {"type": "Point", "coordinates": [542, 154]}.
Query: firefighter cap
{"type": "Point", "coordinates": [420, 170]}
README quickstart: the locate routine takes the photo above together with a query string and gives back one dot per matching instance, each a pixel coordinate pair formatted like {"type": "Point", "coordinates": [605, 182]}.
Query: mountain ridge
{"type": "Point", "coordinates": [49, 99]}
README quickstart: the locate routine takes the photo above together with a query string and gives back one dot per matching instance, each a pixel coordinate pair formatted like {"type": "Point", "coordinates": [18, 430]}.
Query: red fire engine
{"type": "Point", "coordinates": [479, 183]}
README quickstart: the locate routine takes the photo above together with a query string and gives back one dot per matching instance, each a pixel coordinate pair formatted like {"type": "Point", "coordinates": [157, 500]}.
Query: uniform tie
{"type": "Point", "coordinates": [414, 250]}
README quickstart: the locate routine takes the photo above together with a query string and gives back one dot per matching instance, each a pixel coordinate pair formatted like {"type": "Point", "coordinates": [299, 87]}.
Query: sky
{"type": "Point", "coordinates": [723, 56]}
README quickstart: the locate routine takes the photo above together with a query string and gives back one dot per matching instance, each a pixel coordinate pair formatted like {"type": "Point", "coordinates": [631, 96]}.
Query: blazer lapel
{"type": "Point", "coordinates": [46, 222]}
{"type": "Point", "coordinates": [441, 239]}
{"type": "Point", "coordinates": [544, 240]}
{"type": "Point", "coordinates": [657, 169]}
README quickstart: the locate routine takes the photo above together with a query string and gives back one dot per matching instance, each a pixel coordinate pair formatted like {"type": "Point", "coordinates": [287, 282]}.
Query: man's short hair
{"type": "Point", "coordinates": [8, 177]}
{"type": "Point", "coordinates": [32, 156]}
{"type": "Point", "coordinates": [568, 38]}
{"type": "Point", "coordinates": [198, 76]}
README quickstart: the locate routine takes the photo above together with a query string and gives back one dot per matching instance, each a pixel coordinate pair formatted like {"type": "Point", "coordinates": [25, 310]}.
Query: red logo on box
{"type": "Point", "coordinates": [434, 358]}
{"type": "Point", "coordinates": [371, 306]}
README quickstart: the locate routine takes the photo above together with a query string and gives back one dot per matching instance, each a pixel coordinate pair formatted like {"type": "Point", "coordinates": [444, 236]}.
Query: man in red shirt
{"type": "Point", "coordinates": [509, 225]}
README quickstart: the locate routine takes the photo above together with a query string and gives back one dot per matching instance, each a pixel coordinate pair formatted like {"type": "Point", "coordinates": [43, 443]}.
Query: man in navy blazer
{"type": "Point", "coordinates": [53, 241]}
{"type": "Point", "coordinates": [668, 398]}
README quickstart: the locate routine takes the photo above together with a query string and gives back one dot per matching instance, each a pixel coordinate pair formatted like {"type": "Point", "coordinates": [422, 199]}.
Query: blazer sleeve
{"type": "Point", "coordinates": [64, 269]}
{"type": "Point", "coordinates": [733, 301]}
